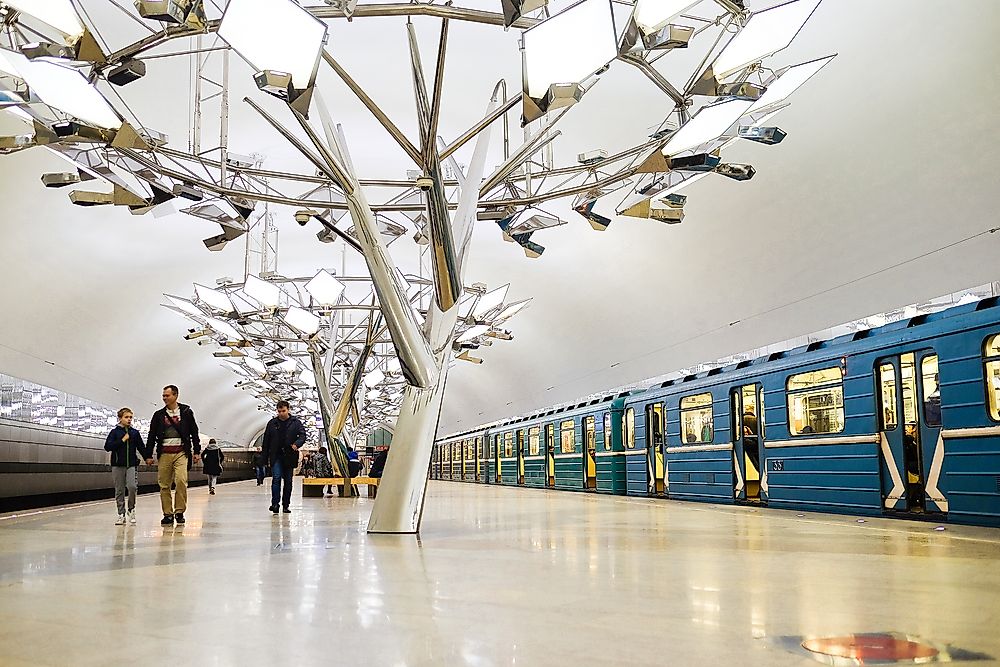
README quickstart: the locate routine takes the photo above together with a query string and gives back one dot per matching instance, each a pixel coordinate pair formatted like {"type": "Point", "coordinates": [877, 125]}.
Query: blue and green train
{"type": "Point", "coordinates": [900, 421]}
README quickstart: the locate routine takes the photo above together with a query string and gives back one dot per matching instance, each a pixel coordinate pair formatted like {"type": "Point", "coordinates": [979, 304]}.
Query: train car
{"type": "Point", "coordinates": [902, 420]}
{"type": "Point", "coordinates": [572, 448]}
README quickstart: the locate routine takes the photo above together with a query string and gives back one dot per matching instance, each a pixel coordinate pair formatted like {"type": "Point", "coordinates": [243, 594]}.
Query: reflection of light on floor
{"type": "Point", "coordinates": [758, 621]}
{"type": "Point", "coordinates": [871, 648]}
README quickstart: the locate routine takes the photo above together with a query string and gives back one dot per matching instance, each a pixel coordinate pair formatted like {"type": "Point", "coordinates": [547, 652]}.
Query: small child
{"type": "Point", "coordinates": [127, 449]}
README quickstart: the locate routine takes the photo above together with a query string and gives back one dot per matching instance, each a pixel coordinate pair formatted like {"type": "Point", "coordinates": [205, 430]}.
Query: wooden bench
{"type": "Point", "coordinates": [312, 487]}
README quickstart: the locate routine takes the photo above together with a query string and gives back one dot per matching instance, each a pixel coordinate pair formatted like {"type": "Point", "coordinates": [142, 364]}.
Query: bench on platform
{"type": "Point", "coordinates": [312, 487]}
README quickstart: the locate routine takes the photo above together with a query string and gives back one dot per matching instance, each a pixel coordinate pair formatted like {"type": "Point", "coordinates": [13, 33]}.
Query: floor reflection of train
{"type": "Point", "coordinates": [903, 420]}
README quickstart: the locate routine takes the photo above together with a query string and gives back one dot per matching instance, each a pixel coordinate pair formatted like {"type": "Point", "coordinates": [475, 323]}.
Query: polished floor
{"type": "Point", "coordinates": [497, 577]}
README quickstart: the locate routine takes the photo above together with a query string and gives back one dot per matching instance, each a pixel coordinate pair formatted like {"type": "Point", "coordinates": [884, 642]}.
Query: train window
{"type": "Point", "coordinates": [567, 437]}
{"type": "Point", "coordinates": [887, 390]}
{"type": "Point", "coordinates": [493, 446]}
{"type": "Point", "coordinates": [931, 390]}
{"type": "Point", "coordinates": [479, 448]}
{"type": "Point", "coordinates": [816, 402]}
{"type": "Point", "coordinates": [520, 442]}
{"type": "Point", "coordinates": [628, 429]}
{"type": "Point", "coordinates": [550, 438]}
{"type": "Point", "coordinates": [992, 362]}
{"type": "Point", "coordinates": [533, 433]}
{"type": "Point", "coordinates": [696, 418]}
{"type": "Point", "coordinates": [607, 431]}
{"type": "Point", "coordinates": [508, 444]}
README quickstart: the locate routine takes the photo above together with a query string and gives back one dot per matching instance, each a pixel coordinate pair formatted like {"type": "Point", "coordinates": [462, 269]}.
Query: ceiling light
{"type": "Point", "coordinates": [65, 89]}
{"type": "Point", "coordinates": [127, 72]}
{"type": "Point", "coordinates": [651, 15]}
{"type": "Point", "coordinates": [564, 50]}
{"type": "Point", "coordinates": [762, 135]}
{"type": "Point", "coordinates": [256, 365]}
{"type": "Point", "coordinates": [59, 14]}
{"type": "Point", "coordinates": [224, 328]}
{"type": "Point", "coordinates": [325, 288]}
{"type": "Point", "coordinates": [766, 32]}
{"type": "Point", "coordinates": [787, 80]}
{"type": "Point", "coordinates": [597, 221]}
{"type": "Point", "coordinates": [515, 9]}
{"type": "Point", "coordinates": [307, 377]}
{"type": "Point", "coordinates": [185, 305]}
{"type": "Point", "coordinates": [213, 298]}
{"type": "Point", "coordinates": [737, 172]}
{"type": "Point", "coordinates": [276, 36]}
{"type": "Point", "coordinates": [473, 332]}
{"type": "Point", "coordinates": [373, 378]}
{"type": "Point", "coordinates": [709, 123]}
{"type": "Point", "coordinates": [302, 320]}
{"type": "Point", "coordinates": [490, 301]}
{"type": "Point", "coordinates": [261, 290]}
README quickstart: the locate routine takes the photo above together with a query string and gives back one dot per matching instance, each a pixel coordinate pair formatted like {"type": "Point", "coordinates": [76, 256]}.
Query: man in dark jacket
{"type": "Point", "coordinates": [173, 432]}
{"type": "Point", "coordinates": [283, 437]}
{"type": "Point", "coordinates": [127, 451]}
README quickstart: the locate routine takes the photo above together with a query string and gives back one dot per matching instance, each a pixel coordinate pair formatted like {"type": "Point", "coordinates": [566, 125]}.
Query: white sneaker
{"type": "Point", "coordinates": [131, 517]}
{"type": "Point", "coordinates": [121, 520]}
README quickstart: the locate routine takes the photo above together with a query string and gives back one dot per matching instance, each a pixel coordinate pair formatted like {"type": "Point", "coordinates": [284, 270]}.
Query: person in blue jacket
{"type": "Point", "coordinates": [127, 450]}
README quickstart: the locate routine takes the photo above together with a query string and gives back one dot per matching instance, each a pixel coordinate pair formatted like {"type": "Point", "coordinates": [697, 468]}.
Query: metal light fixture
{"type": "Point", "coordinates": [561, 52]}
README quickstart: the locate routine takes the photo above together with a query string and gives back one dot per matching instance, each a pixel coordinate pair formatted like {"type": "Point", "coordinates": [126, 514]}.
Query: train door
{"type": "Point", "coordinates": [498, 452]}
{"type": "Point", "coordinates": [655, 469]}
{"type": "Point", "coordinates": [550, 455]}
{"type": "Point", "coordinates": [520, 457]}
{"type": "Point", "coordinates": [479, 459]}
{"type": "Point", "coordinates": [589, 454]}
{"type": "Point", "coordinates": [747, 421]}
{"type": "Point", "coordinates": [909, 417]}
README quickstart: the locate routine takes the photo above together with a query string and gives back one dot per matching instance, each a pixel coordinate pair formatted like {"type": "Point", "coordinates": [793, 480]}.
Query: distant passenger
{"type": "Point", "coordinates": [706, 432]}
{"type": "Point", "coordinates": [127, 450]}
{"type": "Point", "coordinates": [258, 466]}
{"type": "Point", "coordinates": [806, 429]}
{"type": "Point", "coordinates": [932, 405]}
{"type": "Point", "coordinates": [283, 436]}
{"type": "Point", "coordinates": [174, 433]}
{"type": "Point", "coordinates": [353, 462]}
{"type": "Point", "coordinates": [212, 459]}
{"type": "Point", "coordinates": [323, 468]}
{"type": "Point", "coordinates": [378, 463]}
{"type": "Point", "coordinates": [749, 421]}
{"type": "Point", "coordinates": [911, 458]}
{"type": "Point", "coordinates": [750, 442]}
{"type": "Point", "coordinates": [308, 468]}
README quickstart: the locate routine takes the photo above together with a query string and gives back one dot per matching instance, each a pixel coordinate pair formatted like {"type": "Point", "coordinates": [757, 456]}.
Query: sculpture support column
{"type": "Point", "coordinates": [399, 505]}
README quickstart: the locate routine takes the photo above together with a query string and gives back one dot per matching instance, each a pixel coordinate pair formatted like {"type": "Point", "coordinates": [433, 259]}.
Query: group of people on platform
{"type": "Point", "coordinates": [173, 439]}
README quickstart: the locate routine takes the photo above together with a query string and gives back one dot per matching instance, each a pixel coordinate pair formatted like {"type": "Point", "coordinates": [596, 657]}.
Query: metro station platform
{"type": "Point", "coordinates": [499, 576]}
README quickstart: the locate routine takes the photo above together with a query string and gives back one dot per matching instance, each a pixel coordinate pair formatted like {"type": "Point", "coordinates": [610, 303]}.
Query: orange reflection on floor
{"type": "Point", "coordinates": [870, 647]}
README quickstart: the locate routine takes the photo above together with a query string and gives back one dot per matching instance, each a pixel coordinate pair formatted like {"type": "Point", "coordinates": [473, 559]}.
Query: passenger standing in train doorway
{"type": "Point", "coordinates": [750, 441]}
{"type": "Point", "coordinates": [127, 449]}
{"type": "Point", "coordinates": [283, 436]}
{"type": "Point", "coordinates": [211, 464]}
{"type": "Point", "coordinates": [174, 433]}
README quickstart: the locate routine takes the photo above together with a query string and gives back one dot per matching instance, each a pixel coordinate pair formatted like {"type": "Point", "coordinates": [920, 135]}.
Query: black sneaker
{"type": "Point", "coordinates": [179, 517]}
{"type": "Point", "coordinates": [287, 511]}
{"type": "Point", "coordinates": [168, 520]}
{"type": "Point", "coordinates": [273, 508]}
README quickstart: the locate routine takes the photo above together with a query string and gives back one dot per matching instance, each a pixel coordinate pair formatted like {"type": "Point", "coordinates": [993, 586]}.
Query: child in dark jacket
{"type": "Point", "coordinates": [127, 450]}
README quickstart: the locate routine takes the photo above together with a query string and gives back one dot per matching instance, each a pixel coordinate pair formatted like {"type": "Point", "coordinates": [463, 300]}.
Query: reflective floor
{"type": "Point", "coordinates": [498, 577]}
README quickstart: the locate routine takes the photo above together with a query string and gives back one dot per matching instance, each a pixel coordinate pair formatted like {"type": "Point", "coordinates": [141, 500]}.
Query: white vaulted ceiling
{"type": "Point", "coordinates": [877, 198]}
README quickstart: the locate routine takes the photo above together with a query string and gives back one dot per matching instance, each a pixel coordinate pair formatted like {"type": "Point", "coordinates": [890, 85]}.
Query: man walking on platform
{"type": "Point", "coordinates": [283, 437]}
{"type": "Point", "coordinates": [174, 433]}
